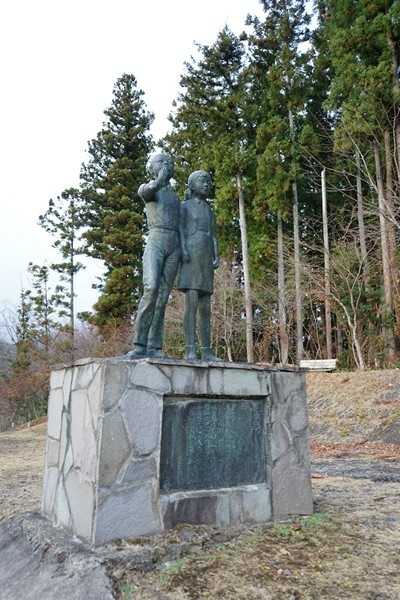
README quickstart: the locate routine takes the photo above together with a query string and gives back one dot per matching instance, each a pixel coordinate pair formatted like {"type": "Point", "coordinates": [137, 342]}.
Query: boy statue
{"type": "Point", "coordinates": [160, 259]}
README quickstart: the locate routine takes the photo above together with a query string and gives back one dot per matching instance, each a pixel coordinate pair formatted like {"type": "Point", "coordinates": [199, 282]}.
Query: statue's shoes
{"type": "Point", "coordinates": [137, 353]}
{"type": "Point", "coordinates": [154, 353]}
{"type": "Point", "coordinates": [208, 356]}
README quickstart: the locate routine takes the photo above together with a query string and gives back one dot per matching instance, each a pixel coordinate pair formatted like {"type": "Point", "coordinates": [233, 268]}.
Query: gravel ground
{"type": "Point", "coordinates": [374, 470]}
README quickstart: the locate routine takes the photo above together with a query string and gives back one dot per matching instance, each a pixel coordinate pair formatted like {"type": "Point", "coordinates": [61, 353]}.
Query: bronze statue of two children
{"type": "Point", "coordinates": [181, 241]}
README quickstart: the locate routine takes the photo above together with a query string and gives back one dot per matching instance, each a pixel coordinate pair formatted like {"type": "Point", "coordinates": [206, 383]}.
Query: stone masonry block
{"type": "Point", "coordinates": [128, 513]}
{"type": "Point", "coordinates": [278, 411]}
{"type": "Point", "coordinates": [216, 381]}
{"type": "Point", "coordinates": [61, 506]}
{"type": "Point", "coordinates": [242, 383]}
{"type": "Point", "coordinates": [191, 509]}
{"type": "Point", "coordinates": [200, 381]}
{"type": "Point", "coordinates": [297, 414]}
{"type": "Point", "coordinates": [140, 470]}
{"type": "Point", "coordinates": [287, 384]}
{"type": "Point", "coordinates": [222, 512]}
{"type": "Point", "coordinates": [78, 432]}
{"type": "Point", "coordinates": [65, 440]}
{"type": "Point", "coordinates": [291, 487]}
{"type": "Point", "coordinates": [146, 375]}
{"type": "Point", "coordinates": [301, 444]}
{"type": "Point", "coordinates": [80, 498]}
{"type": "Point", "coordinates": [89, 448]}
{"type": "Point", "coordinates": [67, 387]}
{"type": "Point", "coordinates": [115, 382]}
{"type": "Point", "coordinates": [143, 413]}
{"type": "Point", "coordinates": [57, 378]}
{"type": "Point", "coordinates": [54, 413]}
{"type": "Point", "coordinates": [182, 380]}
{"type": "Point", "coordinates": [95, 397]}
{"type": "Point", "coordinates": [281, 440]}
{"type": "Point", "coordinates": [115, 448]}
{"type": "Point", "coordinates": [235, 507]}
{"type": "Point", "coordinates": [49, 490]}
{"type": "Point", "coordinates": [256, 503]}
{"type": "Point", "coordinates": [68, 462]}
{"type": "Point", "coordinates": [82, 377]}
{"type": "Point", "coordinates": [52, 452]}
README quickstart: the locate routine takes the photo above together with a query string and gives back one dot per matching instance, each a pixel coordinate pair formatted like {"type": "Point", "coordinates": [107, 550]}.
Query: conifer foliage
{"type": "Point", "coordinates": [112, 213]}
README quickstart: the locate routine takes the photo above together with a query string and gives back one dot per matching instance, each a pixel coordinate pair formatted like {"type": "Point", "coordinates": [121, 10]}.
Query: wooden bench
{"type": "Point", "coordinates": [324, 364]}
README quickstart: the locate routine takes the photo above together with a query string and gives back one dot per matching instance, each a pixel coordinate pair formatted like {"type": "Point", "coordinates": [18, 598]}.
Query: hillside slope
{"type": "Point", "coordinates": [354, 407]}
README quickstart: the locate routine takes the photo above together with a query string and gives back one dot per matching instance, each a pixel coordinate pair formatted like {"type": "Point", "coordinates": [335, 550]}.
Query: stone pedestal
{"type": "Point", "coordinates": [136, 447]}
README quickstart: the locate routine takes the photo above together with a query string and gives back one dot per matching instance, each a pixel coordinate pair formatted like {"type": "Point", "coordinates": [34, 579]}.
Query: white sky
{"type": "Point", "coordinates": [60, 61]}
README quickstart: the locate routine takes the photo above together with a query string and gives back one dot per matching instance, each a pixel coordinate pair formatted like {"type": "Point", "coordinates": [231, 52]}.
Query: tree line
{"type": "Point", "coordinates": [297, 119]}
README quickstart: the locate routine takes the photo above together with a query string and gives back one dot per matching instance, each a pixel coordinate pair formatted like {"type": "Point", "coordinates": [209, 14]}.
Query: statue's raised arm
{"type": "Point", "coordinates": [162, 166]}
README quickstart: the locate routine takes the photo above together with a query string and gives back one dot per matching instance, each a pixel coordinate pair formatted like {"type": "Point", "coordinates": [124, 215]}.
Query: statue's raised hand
{"type": "Point", "coordinates": [164, 175]}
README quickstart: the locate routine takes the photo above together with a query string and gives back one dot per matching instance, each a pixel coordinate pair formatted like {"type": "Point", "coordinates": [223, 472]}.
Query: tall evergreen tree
{"type": "Point", "coordinates": [62, 220]}
{"type": "Point", "coordinates": [113, 214]}
{"type": "Point", "coordinates": [280, 85]}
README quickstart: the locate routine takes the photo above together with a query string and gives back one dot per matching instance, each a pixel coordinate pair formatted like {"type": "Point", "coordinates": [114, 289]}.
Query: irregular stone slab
{"type": "Point", "coordinates": [140, 470]}
{"type": "Point", "coordinates": [81, 502]}
{"type": "Point", "coordinates": [115, 383]}
{"type": "Point", "coordinates": [150, 376]}
{"type": "Point", "coordinates": [291, 487]}
{"type": "Point", "coordinates": [128, 513]}
{"type": "Point", "coordinates": [243, 383]}
{"type": "Point", "coordinates": [54, 413]}
{"type": "Point", "coordinates": [281, 440]}
{"type": "Point", "coordinates": [44, 564]}
{"type": "Point", "coordinates": [57, 378]}
{"type": "Point", "coordinates": [143, 412]}
{"type": "Point", "coordinates": [67, 387]}
{"type": "Point", "coordinates": [82, 377]}
{"type": "Point", "coordinates": [115, 448]}
{"type": "Point", "coordinates": [78, 430]}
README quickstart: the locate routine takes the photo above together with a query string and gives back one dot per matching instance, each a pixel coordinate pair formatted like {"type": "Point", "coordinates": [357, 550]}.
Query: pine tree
{"type": "Point", "coordinates": [41, 321]}
{"type": "Point", "coordinates": [24, 339]}
{"type": "Point", "coordinates": [62, 220]}
{"type": "Point", "coordinates": [112, 212]}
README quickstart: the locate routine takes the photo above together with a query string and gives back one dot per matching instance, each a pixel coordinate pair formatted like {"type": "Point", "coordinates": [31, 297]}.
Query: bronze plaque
{"type": "Point", "coordinates": [211, 443]}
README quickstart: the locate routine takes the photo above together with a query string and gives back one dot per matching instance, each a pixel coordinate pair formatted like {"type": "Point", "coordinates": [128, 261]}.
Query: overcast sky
{"type": "Point", "coordinates": [60, 61]}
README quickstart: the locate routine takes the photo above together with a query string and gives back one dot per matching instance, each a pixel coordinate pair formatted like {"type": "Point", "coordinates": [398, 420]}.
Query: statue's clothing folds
{"type": "Point", "coordinates": [199, 226]}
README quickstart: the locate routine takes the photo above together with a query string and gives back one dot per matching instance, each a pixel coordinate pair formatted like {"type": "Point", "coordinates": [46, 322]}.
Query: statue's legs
{"type": "Point", "coordinates": [153, 259]}
{"type": "Point", "coordinates": [166, 282]}
{"type": "Point", "coordinates": [189, 322]}
{"type": "Point", "coordinates": [204, 309]}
